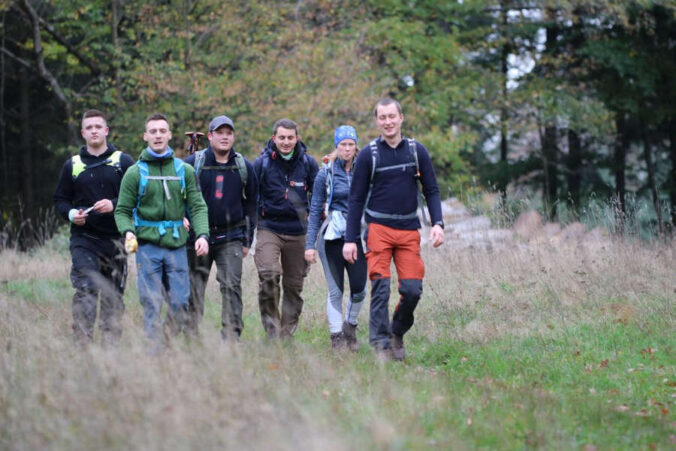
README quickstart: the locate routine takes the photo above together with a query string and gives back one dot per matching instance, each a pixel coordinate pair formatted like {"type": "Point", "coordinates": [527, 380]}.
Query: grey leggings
{"type": "Point", "coordinates": [331, 255]}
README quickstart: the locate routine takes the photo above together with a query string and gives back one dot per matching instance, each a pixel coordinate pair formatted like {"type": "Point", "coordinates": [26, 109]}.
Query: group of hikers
{"type": "Point", "coordinates": [358, 212]}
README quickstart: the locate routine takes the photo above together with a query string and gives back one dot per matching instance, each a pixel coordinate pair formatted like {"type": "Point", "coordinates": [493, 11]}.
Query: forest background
{"type": "Point", "coordinates": [567, 103]}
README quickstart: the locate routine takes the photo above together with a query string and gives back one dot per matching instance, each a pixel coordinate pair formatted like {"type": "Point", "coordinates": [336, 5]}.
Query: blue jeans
{"type": "Point", "coordinates": [162, 273]}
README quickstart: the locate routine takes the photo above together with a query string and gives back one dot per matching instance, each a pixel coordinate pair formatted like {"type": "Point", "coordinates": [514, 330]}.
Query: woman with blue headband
{"type": "Point", "coordinates": [329, 195]}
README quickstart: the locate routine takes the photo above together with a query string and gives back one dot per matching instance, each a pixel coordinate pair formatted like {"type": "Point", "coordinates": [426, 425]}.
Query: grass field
{"type": "Point", "coordinates": [568, 347]}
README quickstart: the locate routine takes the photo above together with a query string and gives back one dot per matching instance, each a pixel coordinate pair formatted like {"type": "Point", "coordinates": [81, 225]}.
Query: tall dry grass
{"type": "Point", "coordinates": [258, 395]}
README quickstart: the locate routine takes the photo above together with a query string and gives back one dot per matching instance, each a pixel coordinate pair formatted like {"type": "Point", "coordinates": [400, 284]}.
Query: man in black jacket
{"type": "Point", "coordinates": [86, 195]}
{"type": "Point", "coordinates": [285, 174]}
{"type": "Point", "coordinates": [228, 185]}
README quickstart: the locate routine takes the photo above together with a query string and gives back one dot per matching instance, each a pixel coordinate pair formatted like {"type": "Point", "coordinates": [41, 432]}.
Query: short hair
{"type": "Point", "coordinates": [157, 117]}
{"type": "Point", "coordinates": [387, 101]}
{"type": "Point", "coordinates": [94, 113]}
{"type": "Point", "coordinates": [285, 123]}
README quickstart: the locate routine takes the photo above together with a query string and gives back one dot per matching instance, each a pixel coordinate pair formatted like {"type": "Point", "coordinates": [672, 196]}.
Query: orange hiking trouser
{"type": "Point", "coordinates": [385, 244]}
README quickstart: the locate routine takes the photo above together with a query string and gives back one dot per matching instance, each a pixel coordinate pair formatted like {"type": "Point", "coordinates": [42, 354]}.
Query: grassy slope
{"type": "Point", "coordinates": [536, 347]}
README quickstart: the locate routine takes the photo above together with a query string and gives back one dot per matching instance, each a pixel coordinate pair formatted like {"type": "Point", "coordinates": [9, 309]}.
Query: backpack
{"type": "Point", "coordinates": [79, 166]}
{"type": "Point", "coordinates": [329, 166]}
{"type": "Point", "coordinates": [144, 176]}
{"type": "Point", "coordinates": [375, 159]}
{"type": "Point", "coordinates": [240, 165]}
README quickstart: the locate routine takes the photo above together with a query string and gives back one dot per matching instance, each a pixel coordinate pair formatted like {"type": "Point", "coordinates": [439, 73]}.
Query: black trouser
{"type": "Point", "coordinates": [99, 268]}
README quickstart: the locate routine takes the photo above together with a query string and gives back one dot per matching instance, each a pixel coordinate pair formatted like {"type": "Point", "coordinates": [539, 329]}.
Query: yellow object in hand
{"type": "Point", "coordinates": [131, 245]}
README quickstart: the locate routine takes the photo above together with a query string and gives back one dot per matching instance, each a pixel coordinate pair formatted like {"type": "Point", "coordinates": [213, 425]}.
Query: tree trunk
{"type": "Point", "coordinates": [574, 165]}
{"type": "Point", "coordinates": [550, 153]}
{"type": "Point", "coordinates": [3, 126]}
{"type": "Point", "coordinates": [619, 164]}
{"type": "Point", "coordinates": [652, 185]}
{"type": "Point", "coordinates": [114, 23]}
{"type": "Point", "coordinates": [45, 73]}
{"type": "Point", "coordinates": [549, 138]}
{"type": "Point", "coordinates": [672, 185]}
{"type": "Point", "coordinates": [504, 180]}
{"type": "Point", "coordinates": [26, 148]}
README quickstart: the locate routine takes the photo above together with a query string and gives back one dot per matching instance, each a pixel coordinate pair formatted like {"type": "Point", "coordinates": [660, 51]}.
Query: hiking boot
{"type": "Point", "coordinates": [398, 352]}
{"type": "Point", "coordinates": [350, 336]}
{"type": "Point", "coordinates": [337, 340]}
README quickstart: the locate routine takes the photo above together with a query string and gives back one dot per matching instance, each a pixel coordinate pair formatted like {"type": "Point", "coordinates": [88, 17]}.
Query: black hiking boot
{"type": "Point", "coordinates": [398, 352]}
{"type": "Point", "coordinates": [350, 336]}
{"type": "Point", "coordinates": [337, 341]}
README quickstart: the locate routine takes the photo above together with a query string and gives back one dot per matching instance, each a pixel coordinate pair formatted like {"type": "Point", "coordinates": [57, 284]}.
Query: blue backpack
{"type": "Point", "coordinates": [144, 177]}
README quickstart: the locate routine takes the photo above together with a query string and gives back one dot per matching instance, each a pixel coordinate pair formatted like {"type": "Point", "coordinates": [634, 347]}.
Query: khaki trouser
{"type": "Point", "coordinates": [280, 257]}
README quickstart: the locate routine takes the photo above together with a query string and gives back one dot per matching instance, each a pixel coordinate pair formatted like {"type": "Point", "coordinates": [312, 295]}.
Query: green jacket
{"type": "Point", "coordinates": [155, 206]}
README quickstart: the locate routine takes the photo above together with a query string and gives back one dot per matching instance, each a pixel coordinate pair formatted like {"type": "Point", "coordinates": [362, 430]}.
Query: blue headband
{"type": "Point", "coordinates": [344, 132]}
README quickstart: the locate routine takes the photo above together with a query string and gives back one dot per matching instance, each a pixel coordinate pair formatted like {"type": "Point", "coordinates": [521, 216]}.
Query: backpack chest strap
{"type": "Point", "coordinates": [164, 179]}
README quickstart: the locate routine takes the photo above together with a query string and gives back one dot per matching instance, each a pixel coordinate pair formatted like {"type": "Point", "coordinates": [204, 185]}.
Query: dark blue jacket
{"type": "Point", "coordinates": [394, 191]}
{"type": "Point", "coordinates": [283, 189]}
{"type": "Point", "coordinates": [232, 212]}
{"type": "Point", "coordinates": [339, 193]}
{"type": "Point", "coordinates": [90, 186]}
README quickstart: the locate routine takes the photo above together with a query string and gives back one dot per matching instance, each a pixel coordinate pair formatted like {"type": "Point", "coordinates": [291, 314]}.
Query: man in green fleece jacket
{"type": "Point", "coordinates": [154, 197]}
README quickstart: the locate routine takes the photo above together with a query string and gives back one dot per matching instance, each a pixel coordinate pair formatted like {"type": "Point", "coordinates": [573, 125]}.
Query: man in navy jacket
{"type": "Point", "coordinates": [228, 185]}
{"type": "Point", "coordinates": [388, 195]}
{"type": "Point", "coordinates": [86, 195]}
{"type": "Point", "coordinates": [285, 174]}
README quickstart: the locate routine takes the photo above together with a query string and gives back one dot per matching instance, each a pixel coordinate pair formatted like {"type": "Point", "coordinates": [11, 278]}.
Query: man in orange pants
{"type": "Point", "coordinates": [384, 187]}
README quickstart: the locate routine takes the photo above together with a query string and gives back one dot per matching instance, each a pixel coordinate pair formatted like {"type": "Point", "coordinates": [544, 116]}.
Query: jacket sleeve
{"type": "Point", "coordinates": [63, 195]}
{"type": "Point", "coordinates": [316, 208]}
{"type": "Point", "coordinates": [251, 192]}
{"type": "Point", "coordinates": [126, 202]}
{"type": "Point", "coordinates": [196, 204]}
{"type": "Point", "coordinates": [358, 191]}
{"type": "Point", "coordinates": [430, 186]}
{"type": "Point", "coordinates": [314, 169]}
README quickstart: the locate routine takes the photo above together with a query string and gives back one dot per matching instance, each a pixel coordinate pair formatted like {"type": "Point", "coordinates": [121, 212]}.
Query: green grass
{"type": "Point", "coordinates": [556, 369]}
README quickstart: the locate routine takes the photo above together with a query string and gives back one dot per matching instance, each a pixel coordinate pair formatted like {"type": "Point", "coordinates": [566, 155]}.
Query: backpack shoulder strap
{"type": "Point", "coordinates": [243, 171]}
{"type": "Point", "coordinates": [265, 163]}
{"type": "Point", "coordinates": [199, 163]}
{"type": "Point", "coordinates": [241, 167]}
{"type": "Point", "coordinates": [329, 167]}
{"type": "Point", "coordinates": [308, 169]}
{"type": "Point", "coordinates": [414, 150]}
{"type": "Point", "coordinates": [179, 170]}
{"type": "Point", "coordinates": [143, 178]}
{"type": "Point", "coordinates": [373, 145]}
{"type": "Point", "coordinates": [115, 161]}
{"type": "Point", "coordinates": [78, 165]}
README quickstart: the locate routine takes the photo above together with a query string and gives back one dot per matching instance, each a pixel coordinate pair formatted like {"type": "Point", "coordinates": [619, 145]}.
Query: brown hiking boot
{"type": "Point", "coordinates": [337, 340]}
{"type": "Point", "coordinates": [350, 336]}
{"type": "Point", "coordinates": [397, 343]}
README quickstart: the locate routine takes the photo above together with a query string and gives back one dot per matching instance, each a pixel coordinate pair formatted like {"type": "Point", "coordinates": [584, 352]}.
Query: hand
{"type": "Point", "coordinates": [311, 256]}
{"type": "Point", "coordinates": [103, 206]}
{"type": "Point", "coordinates": [186, 223]}
{"type": "Point", "coordinates": [350, 252]}
{"type": "Point", "coordinates": [245, 251]}
{"type": "Point", "coordinates": [130, 243]}
{"type": "Point", "coordinates": [436, 236]}
{"type": "Point", "coordinates": [201, 246]}
{"type": "Point", "coordinates": [78, 217]}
